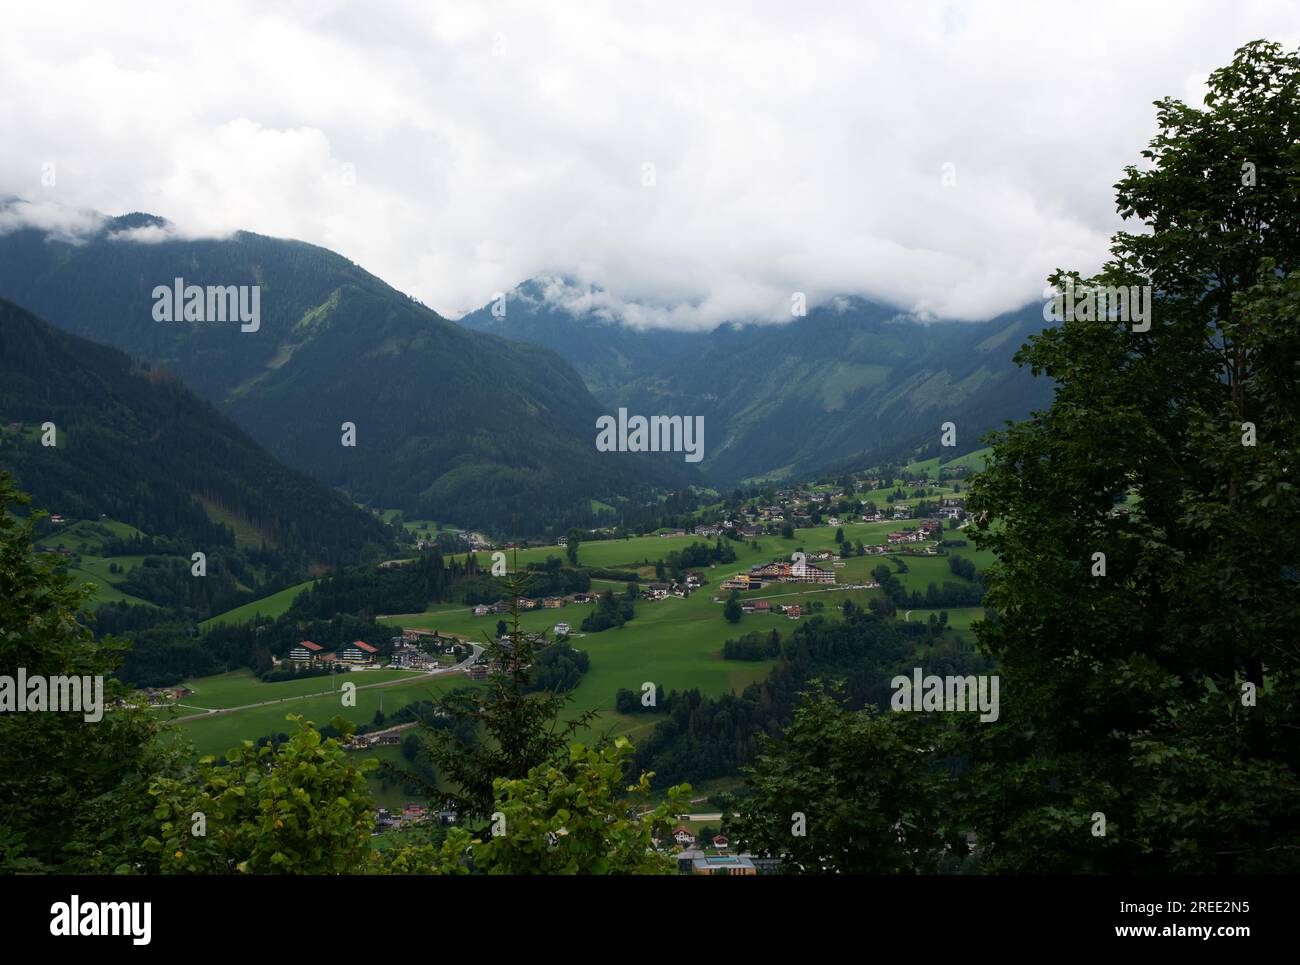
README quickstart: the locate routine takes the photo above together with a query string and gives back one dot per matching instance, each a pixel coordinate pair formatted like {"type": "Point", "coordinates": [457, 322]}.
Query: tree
{"type": "Point", "coordinates": [516, 728]}
{"type": "Point", "coordinates": [74, 795]}
{"type": "Point", "coordinates": [574, 818]}
{"type": "Point", "coordinates": [297, 807]}
{"type": "Point", "coordinates": [732, 611]}
{"type": "Point", "coordinates": [575, 540]}
{"type": "Point", "coordinates": [1140, 696]}
{"type": "Point", "coordinates": [847, 792]}
{"type": "Point", "coordinates": [839, 535]}
{"type": "Point", "coordinates": [610, 612]}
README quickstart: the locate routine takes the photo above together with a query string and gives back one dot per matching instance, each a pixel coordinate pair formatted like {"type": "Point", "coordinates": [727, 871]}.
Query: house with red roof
{"type": "Point", "coordinates": [358, 652]}
{"type": "Point", "coordinates": [305, 652]}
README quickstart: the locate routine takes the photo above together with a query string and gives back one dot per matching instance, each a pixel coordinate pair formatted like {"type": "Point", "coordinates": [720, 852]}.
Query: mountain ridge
{"type": "Point", "coordinates": [450, 423]}
{"type": "Point", "coordinates": [114, 419]}
{"type": "Point", "coordinates": [851, 381]}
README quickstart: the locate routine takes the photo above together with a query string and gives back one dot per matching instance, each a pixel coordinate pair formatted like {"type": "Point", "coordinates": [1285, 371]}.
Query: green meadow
{"type": "Point", "coordinates": [675, 644]}
{"type": "Point", "coordinates": [959, 618]}
{"type": "Point", "coordinates": [972, 461]}
{"type": "Point", "coordinates": [246, 534]}
{"type": "Point", "coordinates": [93, 570]}
{"type": "Point", "coordinates": [388, 793]}
{"type": "Point", "coordinates": [88, 536]}
{"type": "Point", "coordinates": [239, 688]}
{"type": "Point", "coordinates": [217, 733]}
{"type": "Point", "coordinates": [640, 551]}
{"type": "Point", "coordinates": [268, 606]}
{"type": "Point", "coordinates": [418, 527]}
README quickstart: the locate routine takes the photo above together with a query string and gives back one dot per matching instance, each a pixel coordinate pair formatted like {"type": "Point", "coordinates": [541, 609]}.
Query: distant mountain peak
{"type": "Point", "coordinates": [565, 293]}
{"type": "Point", "coordinates": [450, 421]}
{"type": "Point", "coordinates": [136, 219]}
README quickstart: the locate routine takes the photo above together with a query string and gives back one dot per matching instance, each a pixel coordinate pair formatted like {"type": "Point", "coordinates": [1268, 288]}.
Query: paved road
{"type": "Point", "coordinates": [456, 668]}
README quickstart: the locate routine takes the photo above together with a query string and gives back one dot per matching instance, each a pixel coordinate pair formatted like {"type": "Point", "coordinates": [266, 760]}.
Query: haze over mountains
{"type": "Point", "coordinates": [450, 423]}
{"type": "Point", "coordinates": [851, 381]}
{"type": "Point", "coordinates": [490, 421]}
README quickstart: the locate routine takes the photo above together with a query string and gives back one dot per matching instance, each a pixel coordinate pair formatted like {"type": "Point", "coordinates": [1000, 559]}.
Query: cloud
{"type": "Point", "coordinates": [149, 234]}
{"type": "Point", "coordinates": [66, 224]}
{"type": "Point", "coordinates": [695, 162]}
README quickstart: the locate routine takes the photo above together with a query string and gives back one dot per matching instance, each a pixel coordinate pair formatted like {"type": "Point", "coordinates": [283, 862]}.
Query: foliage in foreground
{"type": "Point", "coordinates": [302, 807]}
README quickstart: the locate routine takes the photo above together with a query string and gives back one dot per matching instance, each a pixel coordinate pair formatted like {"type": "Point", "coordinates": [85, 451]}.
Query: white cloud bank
{"type": "Point", "coordinates": [456, 149]}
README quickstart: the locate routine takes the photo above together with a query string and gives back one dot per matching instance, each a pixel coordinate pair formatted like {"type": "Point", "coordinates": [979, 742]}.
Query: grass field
{"type": "Point", "coordinates": [246, 534]}
{"type": "Point", "coordinates": [674, 643]}
{"type": "Point", "coordinates": [88, 536]}
{"type": "Point", "coordinates": [268, 606]}
{"type": "Point", "coordinates": [639, 551]}
{"type": "Point", "coordinates": [220, 732]}
{"type": "Point", "coordinates": [422, 527]}
{"type": "Point", "coordinates": [922, 571]}
{"type": "Point", "coordinates": [97, 567]}
{"type": "Point", "coordinates": [104, 592]}
{"type": "Point", "coordinates": [973, 461]}
{"type": "Point", "coordinates": [959, 618]}
{"type": "Point", "coordinates": [388, 793]}
{"type": "Point", "coordinates": [240, 687]}
{"type": "Point", "coordinates": [94, 570]}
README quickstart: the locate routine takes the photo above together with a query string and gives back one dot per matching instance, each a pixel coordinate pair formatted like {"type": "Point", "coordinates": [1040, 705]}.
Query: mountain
{"type": "Point", "coordinates": [135, 445]}
{"type": "Point", "coordinates": [450, 424]}
{"type": "Point", "coordinates": [608, 355]}
{"type": "Point", "coordinates": [853, 381]}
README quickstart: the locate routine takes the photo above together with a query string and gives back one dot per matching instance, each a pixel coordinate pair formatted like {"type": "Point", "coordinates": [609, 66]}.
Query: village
{"type": "Point", "coordinates": [707, 852]}
{"type": "Point", "coordinates": [920, 512]}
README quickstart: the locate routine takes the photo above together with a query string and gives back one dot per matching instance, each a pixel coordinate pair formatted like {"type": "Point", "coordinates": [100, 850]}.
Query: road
{"type": "Point", "coordinates": [442, 671]}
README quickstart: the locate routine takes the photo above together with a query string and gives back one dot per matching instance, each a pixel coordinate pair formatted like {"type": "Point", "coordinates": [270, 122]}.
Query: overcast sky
{"type": "Point", "coordinates": [457, 149]}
